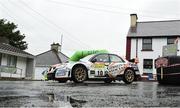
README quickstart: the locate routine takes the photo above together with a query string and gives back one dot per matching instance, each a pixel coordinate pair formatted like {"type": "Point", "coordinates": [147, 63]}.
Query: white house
{"type": "Point", "coordinates": [48, 58]}
{"type": "Point", "coordinates": [15, 62]}
{"type": "Point", "coordinates": [145, 41]}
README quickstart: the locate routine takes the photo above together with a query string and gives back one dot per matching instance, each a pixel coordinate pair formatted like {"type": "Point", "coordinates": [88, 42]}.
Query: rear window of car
{"type": "Point", "coordinates": [115, 58]}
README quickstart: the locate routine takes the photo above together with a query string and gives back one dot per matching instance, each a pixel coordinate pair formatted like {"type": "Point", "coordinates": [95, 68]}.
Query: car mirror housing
{"type": "Point", "coordinates": [94, 60]}
{"type": "Point", "coordinates": [132, 60]}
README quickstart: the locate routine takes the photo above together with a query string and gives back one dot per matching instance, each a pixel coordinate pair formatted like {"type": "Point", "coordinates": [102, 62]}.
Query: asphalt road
{"type": "Point", "coordinates": [88, 94]}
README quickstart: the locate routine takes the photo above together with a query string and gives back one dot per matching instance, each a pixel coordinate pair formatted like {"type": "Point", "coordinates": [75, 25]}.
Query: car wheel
{"type": "Point", "coordinates": [129, 76]}
{"type": "Point", "coordinates": [79, 74]}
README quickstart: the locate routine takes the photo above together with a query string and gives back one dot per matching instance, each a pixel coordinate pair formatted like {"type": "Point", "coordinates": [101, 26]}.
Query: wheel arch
{"type": "Point", "coordinates": [126, 80]}
{"type": "Point", "coordinates": [79, 64]}
{"type": "Point", "coordinates": [130, 69]}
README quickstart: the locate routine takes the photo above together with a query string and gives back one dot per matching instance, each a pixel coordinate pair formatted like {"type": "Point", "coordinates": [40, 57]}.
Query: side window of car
{"type": "Point", "coordinates": [115, 58]}
{"type": "Point", "coordinates": [101, 58]}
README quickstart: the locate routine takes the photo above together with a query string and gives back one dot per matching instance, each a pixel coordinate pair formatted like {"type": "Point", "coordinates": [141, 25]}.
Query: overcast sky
{"type": "Point", "coordinates": [85, 24]}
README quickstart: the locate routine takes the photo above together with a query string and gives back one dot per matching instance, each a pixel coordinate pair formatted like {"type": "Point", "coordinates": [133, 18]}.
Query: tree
{"type": "Point", "coordinates": [9, 30]}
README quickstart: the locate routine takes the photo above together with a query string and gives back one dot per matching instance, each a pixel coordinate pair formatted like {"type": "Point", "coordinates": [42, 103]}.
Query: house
{"type": "Point", "coordinates": [15, 62]}
{"type": "Point", "coordinates": [145, 41]}
{"type": "Point", "coordinates": [48, 58]}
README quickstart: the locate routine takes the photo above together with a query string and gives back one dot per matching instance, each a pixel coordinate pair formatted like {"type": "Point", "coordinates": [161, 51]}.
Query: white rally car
{"type": "Point", "coordinates": [104, 66]}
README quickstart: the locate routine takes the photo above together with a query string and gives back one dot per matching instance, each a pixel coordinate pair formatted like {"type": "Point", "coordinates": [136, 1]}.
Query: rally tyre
{"type": "Point", "coordinates": [79, 74]}
{"type": "Point", "coordinates": [129, 76]}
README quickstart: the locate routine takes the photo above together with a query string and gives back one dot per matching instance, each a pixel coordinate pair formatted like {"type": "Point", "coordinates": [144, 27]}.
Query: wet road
{"type": "Point", "coordinates": [89, 94]}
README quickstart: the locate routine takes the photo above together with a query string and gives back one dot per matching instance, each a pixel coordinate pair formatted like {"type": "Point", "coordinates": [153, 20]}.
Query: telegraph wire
{"type": "Point", "coordinates": [100, 10]}
{"type": "Point", "coordinates": [110, 6]}
{"type": "Point", "coordinates": [49, 23]}
{"type": "Point", "coordinates": [57, 26]}
{"type": "Point", "coordinates": [9, 13]}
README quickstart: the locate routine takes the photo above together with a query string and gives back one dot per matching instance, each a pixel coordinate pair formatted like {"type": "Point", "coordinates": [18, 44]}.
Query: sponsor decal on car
{"type": "Point", "coordinates": [99, 65]}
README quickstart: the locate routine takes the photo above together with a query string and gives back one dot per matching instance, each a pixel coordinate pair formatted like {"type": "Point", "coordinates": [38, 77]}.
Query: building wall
{"type": "Point", "coordinates": [20, 65]}
{"type": "Point", "coordinates": [4, 60]}
{"type": "Point", "coordinates": [157, 44]}
{"type": "Point", "coordinates": [38, 73]}
{"type": "Point", "coordinates": [30, 68]}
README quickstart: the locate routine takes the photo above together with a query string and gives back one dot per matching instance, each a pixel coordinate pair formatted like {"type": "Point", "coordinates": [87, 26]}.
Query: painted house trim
{"type": "Point", "coordinates": [128, 48]}
{"type": "Point", "coordinates": [154, 36]}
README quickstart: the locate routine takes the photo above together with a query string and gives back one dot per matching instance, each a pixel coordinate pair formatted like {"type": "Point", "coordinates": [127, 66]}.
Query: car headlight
{"type": "Point", "coordinates": [61, 72]}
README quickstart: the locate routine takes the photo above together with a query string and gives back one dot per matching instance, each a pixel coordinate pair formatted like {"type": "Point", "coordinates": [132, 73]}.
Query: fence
{"type": "Point", "coordinates": [10, 71]}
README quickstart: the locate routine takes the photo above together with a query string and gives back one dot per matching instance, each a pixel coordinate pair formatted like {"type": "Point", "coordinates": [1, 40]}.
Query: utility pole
{"type": "Point", "coordinates": [61, 40]}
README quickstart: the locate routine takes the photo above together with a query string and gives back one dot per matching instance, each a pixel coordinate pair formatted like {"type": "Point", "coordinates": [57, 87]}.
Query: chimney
{"type": "Point", "coordinates": [4, 40]}
{"type": "Point", "coordinates": [56, 47]}
{"type": "Point", "coordinates": [133, 22]}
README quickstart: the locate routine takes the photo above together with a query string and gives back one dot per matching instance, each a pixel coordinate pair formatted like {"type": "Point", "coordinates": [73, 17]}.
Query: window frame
{"type": "Point", "coordinates": [145, 43]}
{"type": "Point", "coordinates": [168, 38]}
{"type": "Point", "coordinates": [147, 65]}
{"type": "Point", "coordinates": [11, 60]}
{"type": "Point", "coordinates": [0, 58]}
{"type": "Point", "coordinates": [99, 55]}
{"type": "Point", "coordinates": [122, 61]}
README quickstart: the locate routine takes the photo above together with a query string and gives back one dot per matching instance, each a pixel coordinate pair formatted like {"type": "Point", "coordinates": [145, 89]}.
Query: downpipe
{"type": "Point", "coordinates": [161, 72]}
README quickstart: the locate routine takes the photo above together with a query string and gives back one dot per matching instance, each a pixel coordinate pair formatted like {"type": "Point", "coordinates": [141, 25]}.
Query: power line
{"type": "Point", "coordinates": [57, 26]}
{"type": "Point", "coordinates": [78, 6]}
{"type": "Point", "coordinates": [45, 22]}
{"type": "Point", "coordinates": [110, 6]}
{"type": "Point", "coordinates": [9, 13]}
{"type": "Point", "coordinates": [102, 10]}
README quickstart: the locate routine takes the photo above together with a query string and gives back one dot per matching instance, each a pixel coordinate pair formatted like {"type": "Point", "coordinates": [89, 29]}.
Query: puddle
{"type": "Point", "coordinates": [66, 100]}
{"type": "Point", "coordinates": [76, 103]}
{"type": "Point", "coordinates": [13, 101]}
{"type": "Point", "coordinates": [7, 98]}
{"type": "Point", "coordinates": [41, 100]}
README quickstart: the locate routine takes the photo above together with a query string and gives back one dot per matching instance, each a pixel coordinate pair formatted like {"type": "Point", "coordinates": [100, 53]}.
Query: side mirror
{"type": "Point", "coordinates": [132, 60]}
{"type": "Point", "coordinates": [94, 60]}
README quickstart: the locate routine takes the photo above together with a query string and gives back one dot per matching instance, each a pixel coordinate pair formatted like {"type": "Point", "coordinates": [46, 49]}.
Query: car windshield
{"type": "Point", "coordinates": [87, 58]}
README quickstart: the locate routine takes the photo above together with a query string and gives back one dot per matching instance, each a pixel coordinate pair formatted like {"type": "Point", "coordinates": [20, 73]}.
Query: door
{"type": "Point", "coordinates": [100, 65]}
{"type": "Point", "coordinates": [117, 65]}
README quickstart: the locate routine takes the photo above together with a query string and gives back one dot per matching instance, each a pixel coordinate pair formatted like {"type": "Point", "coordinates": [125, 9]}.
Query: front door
{"type": "Point", "coordinates": [100, 65]}
{"type": "Point", "coordinates": [117, 65]}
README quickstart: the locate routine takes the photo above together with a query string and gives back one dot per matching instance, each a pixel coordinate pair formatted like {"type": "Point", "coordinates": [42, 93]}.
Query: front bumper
{"type": "Point", "coordinates": [62, 73]}
{"type": "Point", "coordinates": [50, 76]}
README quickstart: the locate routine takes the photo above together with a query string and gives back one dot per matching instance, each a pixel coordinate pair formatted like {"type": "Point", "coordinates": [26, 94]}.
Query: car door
{"type": "Point", "coordinates": [100, 65]}
{"type": "Point", "coordinates": [117, 65]}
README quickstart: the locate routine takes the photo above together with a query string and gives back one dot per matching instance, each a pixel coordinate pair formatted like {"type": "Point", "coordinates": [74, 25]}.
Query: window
{"type": "Point", "coordinates": [11, 61]}
{"type": "Point", "coordinates": [0, 58]}
{"type": "Point", "coordinates": [148, 64]}
{"type": "Point", "coordinates": [171, 40]}
{"type": "Point", "coordinates": [115, 58]}
{"type": "Point", "coordinates": [147, 44]}
{"type": "Point", "coordinates": [101, 58]}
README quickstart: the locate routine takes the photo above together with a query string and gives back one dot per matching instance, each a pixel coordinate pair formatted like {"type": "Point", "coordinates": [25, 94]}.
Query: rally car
{"type": "Point", "coordinates": [102, 66]}
{"type": "Point", "coordinates": [51, 71]}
